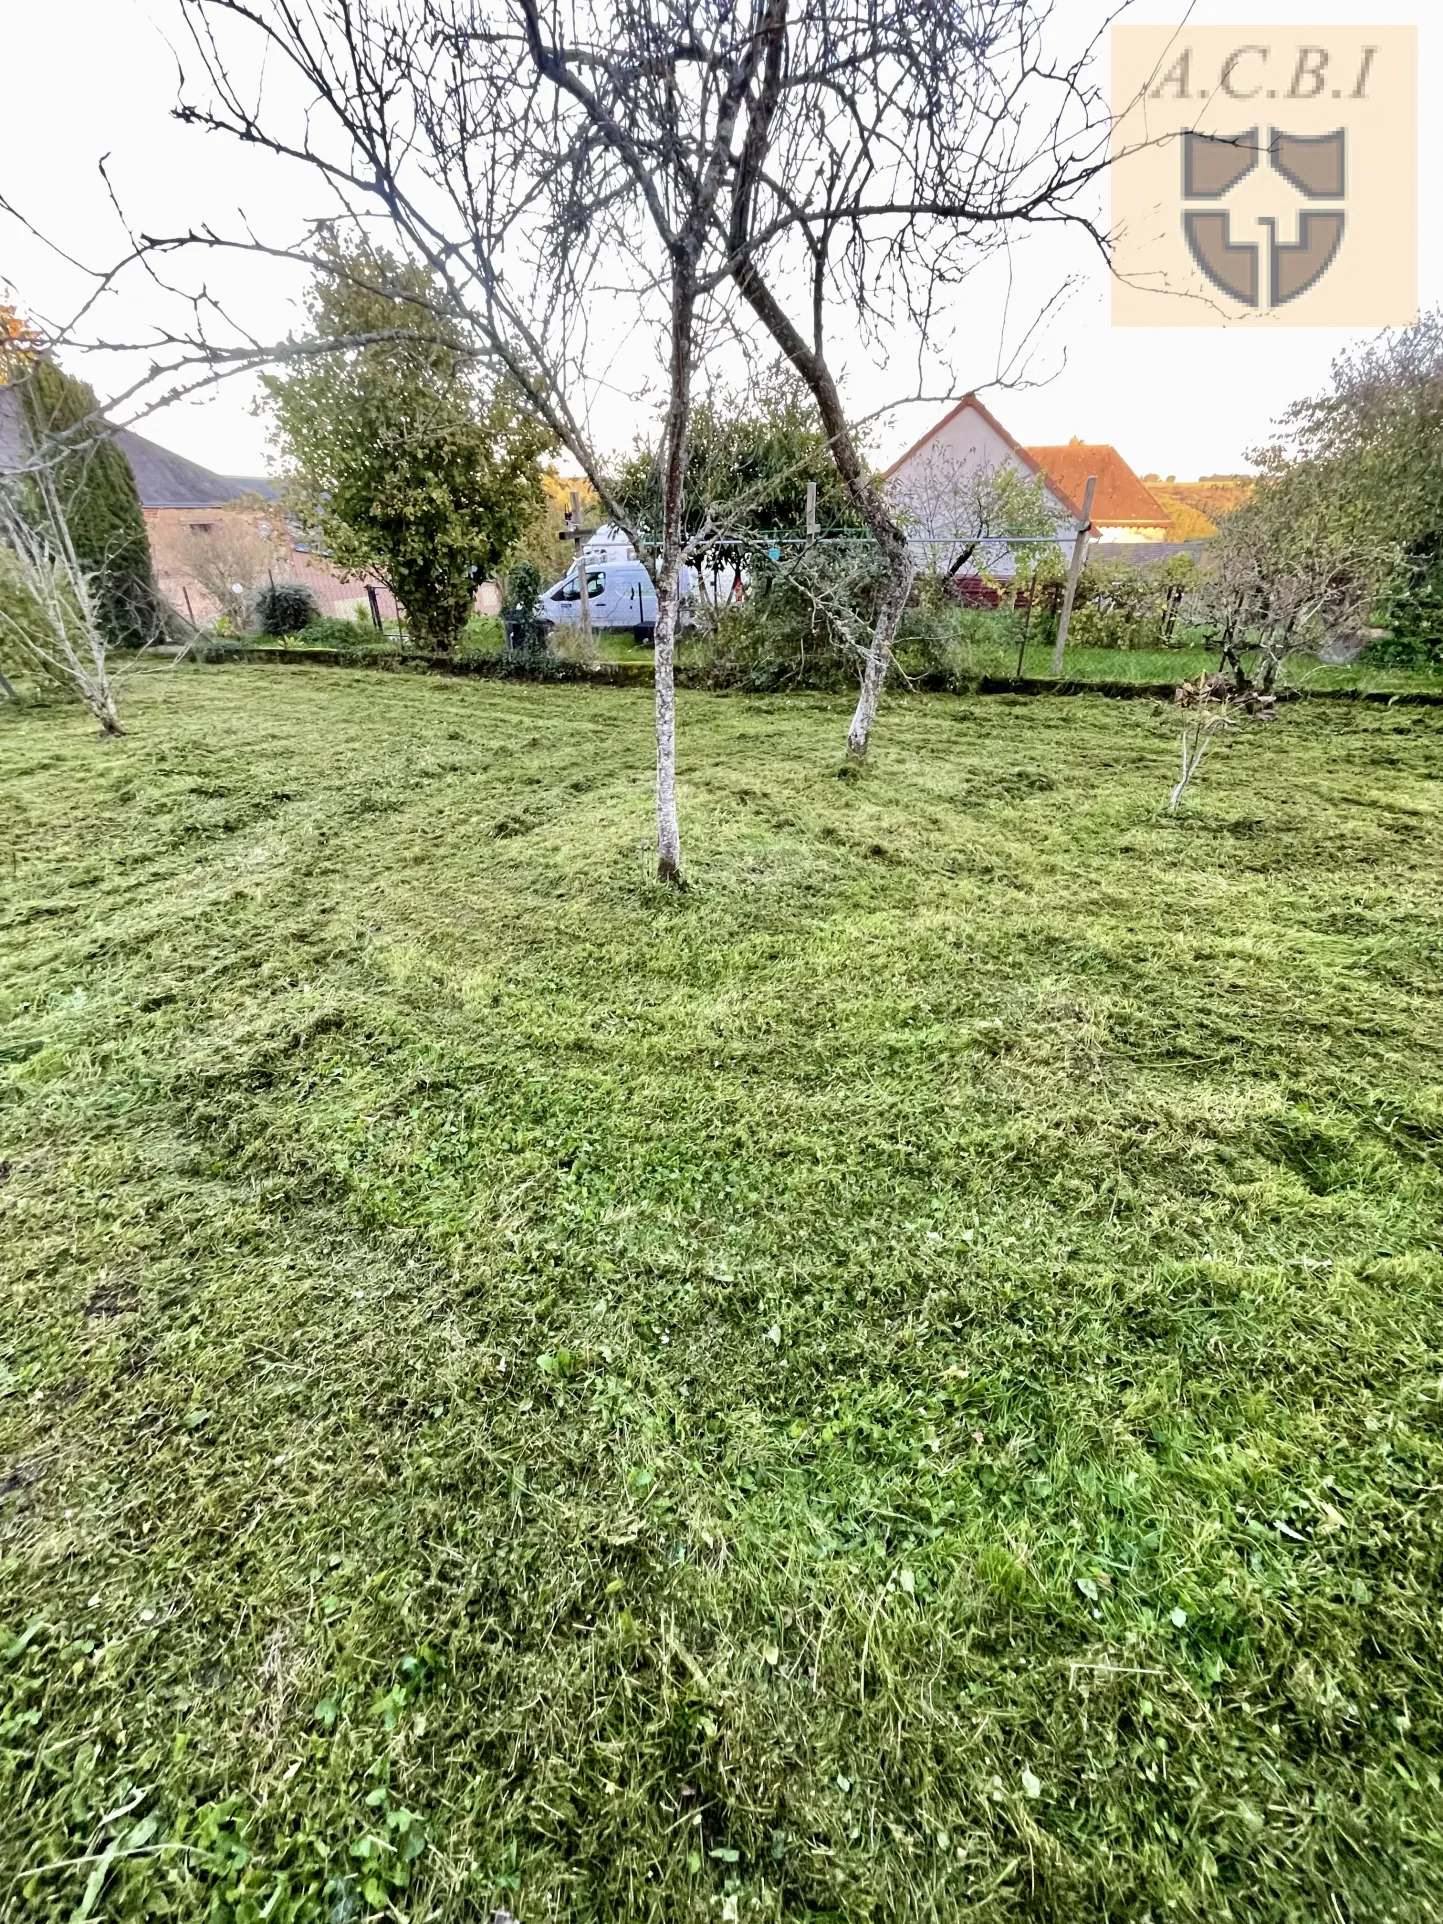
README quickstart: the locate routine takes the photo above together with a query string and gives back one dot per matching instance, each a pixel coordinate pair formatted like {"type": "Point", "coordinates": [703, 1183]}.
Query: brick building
{"type": "Point", "coordinates": [210, 533]}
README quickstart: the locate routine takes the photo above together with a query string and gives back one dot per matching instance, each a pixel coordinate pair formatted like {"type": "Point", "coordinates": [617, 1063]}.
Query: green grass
{"type": "Point", "coordinates": [1301, 672]}
{"type": "Point", "coordinates": [903, 1382]}
{"type": "Point", "coordinates": [984, 656]}
{"type": "Point", "coordinates": [484, 636]}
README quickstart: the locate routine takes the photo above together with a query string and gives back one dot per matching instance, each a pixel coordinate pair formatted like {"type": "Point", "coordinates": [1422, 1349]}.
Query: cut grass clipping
{"type": "Point", "coordinates": [903, 1383]}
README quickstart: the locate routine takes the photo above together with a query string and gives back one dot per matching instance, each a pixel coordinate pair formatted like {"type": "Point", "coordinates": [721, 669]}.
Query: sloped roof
{"type": "Point", "coordinates": [1121, 500]}
{"type": "Point", "coordinates": [162, 479]}
{"type": "Point", "coordinates": [1027, 456]}
{"type": "Point", "coordinates": [167, 480]}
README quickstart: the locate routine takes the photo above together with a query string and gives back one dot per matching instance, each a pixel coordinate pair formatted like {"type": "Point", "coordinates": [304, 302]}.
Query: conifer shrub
{"type": "Point", "coordinates": [101, 505]}
{"type": "Point", "coordinates": [285, 608]}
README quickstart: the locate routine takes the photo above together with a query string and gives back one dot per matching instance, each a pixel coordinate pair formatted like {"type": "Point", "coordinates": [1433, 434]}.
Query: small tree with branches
{"type": "Point", "coordinates": [1289, 572]}
{"type": "Point", "coordinates": [75, 573]}
{"type": "Point", "coordinates": [886, 150]}
{"type": "Point", "coordinates": [965, 514]}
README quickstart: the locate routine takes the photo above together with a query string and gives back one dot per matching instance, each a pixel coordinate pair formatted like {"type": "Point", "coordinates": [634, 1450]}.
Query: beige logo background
{"type": "Point", "coordinates": [1353, 247]}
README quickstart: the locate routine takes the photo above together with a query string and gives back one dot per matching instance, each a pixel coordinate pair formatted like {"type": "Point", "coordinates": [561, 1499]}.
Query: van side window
{"type": "Point", "coordinates": [570, 589]}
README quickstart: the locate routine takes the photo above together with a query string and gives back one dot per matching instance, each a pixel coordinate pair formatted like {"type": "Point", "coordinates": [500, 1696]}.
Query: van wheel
{"type": "Point", "coordinates": [644, 637]}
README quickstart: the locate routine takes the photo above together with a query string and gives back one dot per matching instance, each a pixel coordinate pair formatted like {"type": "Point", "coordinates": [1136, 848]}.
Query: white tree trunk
{"type": "Point", "coordinates": [879, 655]}
{"type": "Point", "coordinates": [668, 827]}
{"type": "Point", "coordinates": [668, 574]}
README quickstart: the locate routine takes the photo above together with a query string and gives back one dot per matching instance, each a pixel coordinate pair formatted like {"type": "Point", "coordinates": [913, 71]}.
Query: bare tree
{"type": "Point", "coordinates": [1288, 574]}
{"type": "Point", "coordinates": [50, 620]}
{"type": "Point", "coordinates": [226, 556]}
{"type": "Point", "coordinates": [536, 161]}
{"type": "Point", "coordinates": [886, 149]}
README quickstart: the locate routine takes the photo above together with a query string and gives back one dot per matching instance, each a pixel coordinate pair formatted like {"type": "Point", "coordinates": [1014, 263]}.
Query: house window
{"type": "Point", "coordinates": [201, 527]}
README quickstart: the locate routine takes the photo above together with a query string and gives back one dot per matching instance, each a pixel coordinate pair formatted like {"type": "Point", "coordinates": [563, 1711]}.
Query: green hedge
{"type": "Point", "coordinates": [101, 506]}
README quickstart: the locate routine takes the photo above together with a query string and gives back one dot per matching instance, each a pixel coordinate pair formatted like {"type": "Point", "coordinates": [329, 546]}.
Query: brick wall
{"type": "Point", "coordinates": [195, 546]}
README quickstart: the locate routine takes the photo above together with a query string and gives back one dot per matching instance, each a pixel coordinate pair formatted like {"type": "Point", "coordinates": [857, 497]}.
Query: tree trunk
{"type": "Point", "coordinates": [874, 676]}
{"type": "Point", "coordinates": [865, 497]}
{"type": "Point", "coordinates": [100, 699]}
{"type": "Point", "coordinates": [668, 577]}
{"type": "Point", "coordinates": [668, 827]}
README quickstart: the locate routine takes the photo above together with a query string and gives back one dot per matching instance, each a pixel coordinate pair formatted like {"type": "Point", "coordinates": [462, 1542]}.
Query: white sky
{"type": "Point", "coordinates": [93, 78]}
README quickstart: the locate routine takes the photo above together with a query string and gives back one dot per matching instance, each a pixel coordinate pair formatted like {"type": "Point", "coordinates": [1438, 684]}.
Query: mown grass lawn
{"type": "Point", "coordinates": [983, 655]}
{"type": "Point", "coordinates": [903, 1382]}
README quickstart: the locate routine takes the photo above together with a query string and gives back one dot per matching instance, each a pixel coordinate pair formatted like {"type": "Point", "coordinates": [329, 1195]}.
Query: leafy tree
{"type": "Point", "coordinates": [94, 489]}
{"type": "Point", "coordinates": [749, 458]}
{"type": "Point", "coordinates": [401, 462]}
{"type": "Point", "coordinates": [1368, 455]}
{"type": "Point", "coordinates": [524, 628]}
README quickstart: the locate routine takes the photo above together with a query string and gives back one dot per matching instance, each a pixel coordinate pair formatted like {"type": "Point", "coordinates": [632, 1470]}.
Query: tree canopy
{"type": "Point", "coordinates": [401, 461]}
{"type": "Point", "coordinates": [1364, 460]}
{"type": "Point", "coordinates": [749, 458]}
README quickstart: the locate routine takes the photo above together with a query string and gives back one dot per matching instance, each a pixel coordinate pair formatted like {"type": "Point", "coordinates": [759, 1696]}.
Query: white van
{"type": "Point", "coordinates": [621, 594]}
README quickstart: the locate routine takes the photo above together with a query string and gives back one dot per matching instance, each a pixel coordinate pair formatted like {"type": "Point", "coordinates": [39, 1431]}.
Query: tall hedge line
{"type": "Point", "coordinates": [101, 504]}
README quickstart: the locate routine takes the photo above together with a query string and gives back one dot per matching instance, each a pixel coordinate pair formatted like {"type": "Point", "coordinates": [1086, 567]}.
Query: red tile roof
{"type": "Point", "coordinates": [1121, 500]}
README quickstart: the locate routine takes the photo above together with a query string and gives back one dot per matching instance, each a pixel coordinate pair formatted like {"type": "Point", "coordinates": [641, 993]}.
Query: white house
{"type": "Point", "coordinates": [952, 487]}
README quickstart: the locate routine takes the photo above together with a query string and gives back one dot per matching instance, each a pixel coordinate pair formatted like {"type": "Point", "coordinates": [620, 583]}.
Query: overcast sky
{"type": "Point", "coordinates": [88, 79]}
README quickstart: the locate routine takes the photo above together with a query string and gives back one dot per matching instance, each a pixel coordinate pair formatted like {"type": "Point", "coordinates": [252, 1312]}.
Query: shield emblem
{"type": "Point", "coordinates": [1297, 267]}
{"type": "Point", "coordinates": [1314, 165]}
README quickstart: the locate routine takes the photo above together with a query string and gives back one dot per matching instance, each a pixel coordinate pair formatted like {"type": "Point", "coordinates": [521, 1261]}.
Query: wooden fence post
{"type": "Point", "coordinates": [1079, 555]}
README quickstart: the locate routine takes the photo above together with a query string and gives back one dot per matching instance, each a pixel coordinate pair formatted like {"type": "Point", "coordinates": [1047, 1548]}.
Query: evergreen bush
{"type": "Point", "coordinates": [101, 505]}
{"type": "Point", "coordinates": [525, 630]}
{"type": "Point", "coordinates": [285, 608]}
